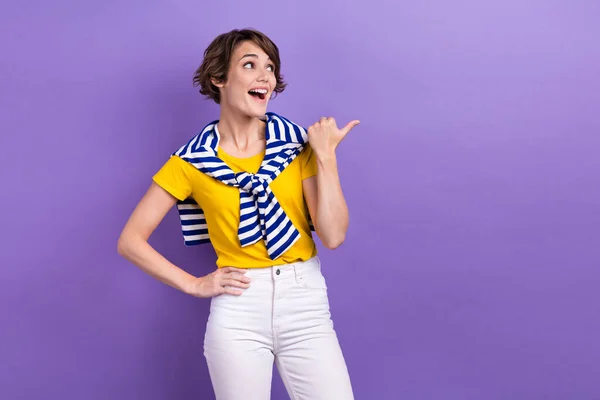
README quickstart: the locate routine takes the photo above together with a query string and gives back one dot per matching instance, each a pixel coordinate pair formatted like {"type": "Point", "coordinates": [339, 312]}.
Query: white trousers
{"type": "Point", "coordinates": [283, 317]}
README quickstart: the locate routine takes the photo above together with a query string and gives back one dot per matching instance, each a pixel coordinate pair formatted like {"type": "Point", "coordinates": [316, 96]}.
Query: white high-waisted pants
{"type": "Point", "coordinates": [283, 317]}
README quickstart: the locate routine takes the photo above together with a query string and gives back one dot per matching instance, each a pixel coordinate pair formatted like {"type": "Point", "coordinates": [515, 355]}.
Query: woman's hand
{"type": "Point", "coordinates": [324, 136]}
{"type": "Point", "coordinates": [221, 281]}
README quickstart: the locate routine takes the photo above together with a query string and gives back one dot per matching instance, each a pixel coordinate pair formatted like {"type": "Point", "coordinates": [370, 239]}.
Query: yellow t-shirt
{"type": "Point", "coordinates": [221, 206]}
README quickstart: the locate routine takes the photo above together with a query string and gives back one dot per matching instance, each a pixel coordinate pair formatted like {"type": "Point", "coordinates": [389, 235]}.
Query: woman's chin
{"type": "Point", "coordinates": [258, 111]}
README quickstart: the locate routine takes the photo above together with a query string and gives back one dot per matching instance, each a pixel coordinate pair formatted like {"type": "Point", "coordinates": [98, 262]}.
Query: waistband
{"type": "Point", "coordinates": [283, 270]}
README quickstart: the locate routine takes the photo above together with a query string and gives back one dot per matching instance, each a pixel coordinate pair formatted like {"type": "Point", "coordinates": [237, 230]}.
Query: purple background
{"type": "Point", "coordinates": [471, 267]}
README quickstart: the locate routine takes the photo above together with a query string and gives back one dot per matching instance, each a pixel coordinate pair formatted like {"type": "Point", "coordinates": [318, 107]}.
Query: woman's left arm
{"type": "Point", "coordinates": [323, 192]}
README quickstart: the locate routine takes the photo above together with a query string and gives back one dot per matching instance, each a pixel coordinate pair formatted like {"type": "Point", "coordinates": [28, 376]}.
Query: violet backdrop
{"type": "Point", "coordinates": [471, 266]}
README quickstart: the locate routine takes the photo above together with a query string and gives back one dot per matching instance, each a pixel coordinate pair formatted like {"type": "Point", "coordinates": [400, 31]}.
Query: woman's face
{"type": "Point", "coordinates": [250, 81]}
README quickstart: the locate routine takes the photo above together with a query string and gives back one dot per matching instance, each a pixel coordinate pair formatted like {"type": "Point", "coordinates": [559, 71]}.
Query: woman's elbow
{"type": "Point", "coordinates": [122, 246]}
{"type": "Point", "coordinates": [333, 243]}
{"type": "Point", "coordinates": [125, 244]}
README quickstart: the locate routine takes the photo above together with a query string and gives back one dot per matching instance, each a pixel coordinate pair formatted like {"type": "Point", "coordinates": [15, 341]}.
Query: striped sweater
{"type": "Point", "coordinates": [261, 216]}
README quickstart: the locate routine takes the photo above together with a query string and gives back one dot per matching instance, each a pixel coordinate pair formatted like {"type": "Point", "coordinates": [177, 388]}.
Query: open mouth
{"type": "Point", "coordinates": [260, 94]}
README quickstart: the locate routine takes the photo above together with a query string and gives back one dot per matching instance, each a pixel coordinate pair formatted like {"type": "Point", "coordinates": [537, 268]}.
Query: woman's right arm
{"type": "Point", "coordinates": [133, 245]}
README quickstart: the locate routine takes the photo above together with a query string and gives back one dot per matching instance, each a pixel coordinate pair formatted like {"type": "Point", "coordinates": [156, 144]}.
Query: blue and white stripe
{"type": "Point", "coordinates": [261, 216]}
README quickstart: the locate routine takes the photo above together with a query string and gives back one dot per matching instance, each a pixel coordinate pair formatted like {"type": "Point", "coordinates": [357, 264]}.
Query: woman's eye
{"type": "Point", "coordinates": [250, 64]}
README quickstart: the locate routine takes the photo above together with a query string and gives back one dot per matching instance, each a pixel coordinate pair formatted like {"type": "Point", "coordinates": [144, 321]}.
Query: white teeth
{"type": "Point", "coordinates": [261, 91]}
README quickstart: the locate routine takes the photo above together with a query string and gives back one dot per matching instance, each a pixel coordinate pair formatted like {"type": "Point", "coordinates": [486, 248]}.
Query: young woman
{"type": "Point", "coordinates": [255, 185]}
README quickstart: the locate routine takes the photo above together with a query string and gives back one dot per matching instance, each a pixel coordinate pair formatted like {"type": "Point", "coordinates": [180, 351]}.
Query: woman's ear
{"type": "Point", "coordinates": [216, 82]}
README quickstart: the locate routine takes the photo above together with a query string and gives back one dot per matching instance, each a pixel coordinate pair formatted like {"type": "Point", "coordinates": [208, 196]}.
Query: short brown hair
{"type": "Point", "coordinates": [217, 57]}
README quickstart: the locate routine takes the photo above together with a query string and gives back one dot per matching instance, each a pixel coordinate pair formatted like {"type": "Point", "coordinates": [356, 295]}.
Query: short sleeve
{"type": "Point", "coordinates": [174, 177]}
{"type": "Point", "coordinates": [308, 162]}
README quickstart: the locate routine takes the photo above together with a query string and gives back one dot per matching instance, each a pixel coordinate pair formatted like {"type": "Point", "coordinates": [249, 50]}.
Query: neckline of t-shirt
{"type": "Point", "coordinates": [220, 152]}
